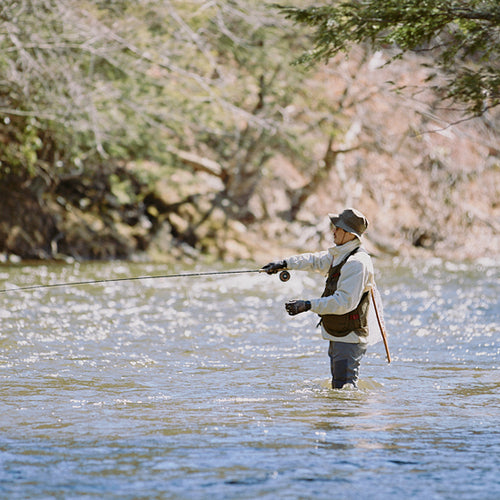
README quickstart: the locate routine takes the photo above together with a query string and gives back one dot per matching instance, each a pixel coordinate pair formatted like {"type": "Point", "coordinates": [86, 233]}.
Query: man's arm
{"type": "Point", "coordinates": [352, 283]}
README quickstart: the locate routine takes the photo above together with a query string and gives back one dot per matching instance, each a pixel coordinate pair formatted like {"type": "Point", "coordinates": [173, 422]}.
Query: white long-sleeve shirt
{"type": "Point", "coordinates": [356, 278]}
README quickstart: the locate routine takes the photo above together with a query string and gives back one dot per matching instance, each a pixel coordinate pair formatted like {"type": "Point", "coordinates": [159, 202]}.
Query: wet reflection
{"type": "Point", "coordinates": [204, 387]}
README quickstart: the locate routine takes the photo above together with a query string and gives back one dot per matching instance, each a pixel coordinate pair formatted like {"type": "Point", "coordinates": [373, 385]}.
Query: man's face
{"type": "Point", "coordinates": [338, 235]}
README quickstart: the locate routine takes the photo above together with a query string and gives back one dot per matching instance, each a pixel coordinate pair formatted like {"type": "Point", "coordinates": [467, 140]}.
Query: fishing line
{"type": "Point", "coordinates": [284, 276]}
{"type": "Point", "coordinates": [133, 278]}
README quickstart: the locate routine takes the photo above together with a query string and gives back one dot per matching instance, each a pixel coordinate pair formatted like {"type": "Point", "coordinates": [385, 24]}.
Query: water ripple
{"type": "Point", "coordinates": [205, 387]}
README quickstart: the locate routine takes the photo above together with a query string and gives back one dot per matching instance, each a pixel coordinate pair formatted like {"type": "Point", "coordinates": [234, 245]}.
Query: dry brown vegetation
{"type": "Point", "coordinates": [195, 136]}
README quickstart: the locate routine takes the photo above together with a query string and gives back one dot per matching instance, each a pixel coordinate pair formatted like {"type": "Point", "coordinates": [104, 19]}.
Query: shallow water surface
{"type": "Point", "coordinates": [203, 387]}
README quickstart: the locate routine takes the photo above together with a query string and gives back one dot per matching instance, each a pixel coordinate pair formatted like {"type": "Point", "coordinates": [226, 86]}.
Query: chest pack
{"type": "Point", "coordinates": [340, 325]}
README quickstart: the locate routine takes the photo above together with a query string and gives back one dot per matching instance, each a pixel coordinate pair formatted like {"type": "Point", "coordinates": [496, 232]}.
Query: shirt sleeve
{"type": "Point", "coordinates": [319, 262]}
{"type": "Point", "coordinates": [352, 283]}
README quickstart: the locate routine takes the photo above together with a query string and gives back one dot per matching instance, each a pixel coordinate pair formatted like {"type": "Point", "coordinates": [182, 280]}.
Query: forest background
{"type": "Point", "coordinates": [183, 130]}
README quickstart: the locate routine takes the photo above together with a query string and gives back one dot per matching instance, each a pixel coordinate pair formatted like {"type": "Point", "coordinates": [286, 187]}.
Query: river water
{"type": "Point", "coordinates": [203, 387]}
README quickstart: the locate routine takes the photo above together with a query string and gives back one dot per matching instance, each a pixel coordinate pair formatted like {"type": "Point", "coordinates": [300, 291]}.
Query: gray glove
{"type": "Point", "coordinates": [297, 306]}
{"type": "Point", "coordinates": [274, 267]}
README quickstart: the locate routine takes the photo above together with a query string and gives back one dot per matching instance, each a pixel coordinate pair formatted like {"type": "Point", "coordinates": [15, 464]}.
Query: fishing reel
{"type": "Point", "coordinates": [284, 276]}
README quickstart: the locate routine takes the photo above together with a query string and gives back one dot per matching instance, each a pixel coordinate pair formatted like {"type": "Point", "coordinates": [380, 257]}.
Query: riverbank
{"type": "Point", "coordinates": [428, 190]}
{"type": "Point", "coordinates": [234, 152]}
{"type": "Point", "coordinates": [177, 221]}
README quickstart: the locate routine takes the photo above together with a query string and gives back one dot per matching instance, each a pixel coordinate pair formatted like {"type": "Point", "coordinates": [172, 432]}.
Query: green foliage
{"type": "Point", "coordinates": [19, 147]}
{"type": "Point", "coordinates": [123, 81]}
{"type": "Point", "coordinates": [463, 37]}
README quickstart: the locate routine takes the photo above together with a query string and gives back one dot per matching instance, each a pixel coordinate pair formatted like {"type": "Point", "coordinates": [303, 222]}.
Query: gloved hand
{"type": "Point", "coordinates": [274, 267]}
{"type": "Point", "coordinates": [297, 306]}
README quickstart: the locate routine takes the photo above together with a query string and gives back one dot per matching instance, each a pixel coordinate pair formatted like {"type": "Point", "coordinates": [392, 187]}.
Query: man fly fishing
{"type": "Point", "coordinates": [343, 306]}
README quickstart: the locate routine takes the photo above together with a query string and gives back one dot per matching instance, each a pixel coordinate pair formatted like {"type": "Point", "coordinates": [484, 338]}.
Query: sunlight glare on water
{"type": "Point", "coordinates": [203, 387]}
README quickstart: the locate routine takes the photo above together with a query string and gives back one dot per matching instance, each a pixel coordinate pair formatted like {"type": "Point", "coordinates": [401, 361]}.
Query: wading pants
{"type": "Point", "coordinates": [344, 362]}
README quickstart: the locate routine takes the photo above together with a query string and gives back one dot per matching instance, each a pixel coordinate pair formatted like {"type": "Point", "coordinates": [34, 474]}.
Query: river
{"type": "Point", "coordinates": [203, 387]}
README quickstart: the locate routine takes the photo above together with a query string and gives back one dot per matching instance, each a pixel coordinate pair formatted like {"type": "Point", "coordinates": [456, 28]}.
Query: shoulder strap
{"type": "Point", "coordinates": [341, 263]}
{"type": "Point", "coordinates": [352, 253]}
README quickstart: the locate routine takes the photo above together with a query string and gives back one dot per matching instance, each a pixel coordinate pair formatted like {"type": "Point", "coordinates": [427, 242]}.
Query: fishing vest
{"type": "Point", "coordinates": [340, 325]}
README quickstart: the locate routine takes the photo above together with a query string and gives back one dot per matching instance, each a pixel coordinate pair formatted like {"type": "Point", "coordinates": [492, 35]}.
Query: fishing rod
{"type": "Point", "coordinates": [284, 276]}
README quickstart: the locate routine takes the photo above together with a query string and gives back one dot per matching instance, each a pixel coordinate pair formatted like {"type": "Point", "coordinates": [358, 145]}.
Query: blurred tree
{"type": "Point", "coordinates": [205, 84]}
{"type": "Point", "coordinates": [462, 36]}
{"type": "Point", "coordinates": [89, 85]}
